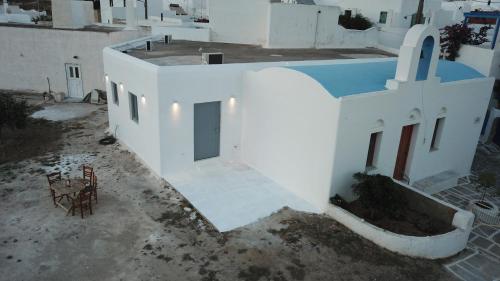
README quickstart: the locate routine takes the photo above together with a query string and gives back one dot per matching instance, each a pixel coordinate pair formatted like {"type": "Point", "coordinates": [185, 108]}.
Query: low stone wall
{"type": "Point", "coordinates": [429, 247]}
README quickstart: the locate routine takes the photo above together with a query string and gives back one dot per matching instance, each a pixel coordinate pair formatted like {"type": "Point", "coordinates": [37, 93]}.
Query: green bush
{"type": "Point", "coordinates": [13, 113]}
{"type": "Point", "coordinates": [379, 194]}
{"type": "Point", "coordinates": [358, 22]}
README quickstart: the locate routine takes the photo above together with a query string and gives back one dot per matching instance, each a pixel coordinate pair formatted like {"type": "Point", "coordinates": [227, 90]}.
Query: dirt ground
{"type": "Point", "coordinates": [142, 229]}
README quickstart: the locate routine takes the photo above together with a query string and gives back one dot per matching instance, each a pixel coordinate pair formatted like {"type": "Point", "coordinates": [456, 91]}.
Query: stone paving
{"type": "Point", "coordinates": [481, 260]}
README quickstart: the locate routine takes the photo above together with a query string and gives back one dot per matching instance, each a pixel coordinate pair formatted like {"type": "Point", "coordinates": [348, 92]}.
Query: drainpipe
{"type": "Point", "coordinates": [316, 29]}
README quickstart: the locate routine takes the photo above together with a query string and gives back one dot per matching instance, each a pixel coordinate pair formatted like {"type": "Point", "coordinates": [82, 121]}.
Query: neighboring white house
{"type": "Point", "coordinates": [273, 24]}
{"type": "Point", "coordinates": [306, 125]}
{"type": "Point", "coordinates": [393, 17]}
{"type": "Point", "coordinates": [39, 58]}
{"type": "Point", "coordinates": [72, 13]}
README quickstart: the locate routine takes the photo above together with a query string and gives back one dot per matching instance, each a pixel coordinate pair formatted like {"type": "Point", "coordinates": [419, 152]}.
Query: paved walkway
{"type": "Point", "coordinates": [231, 195]}
{"type": "Point", "coordinates": [481, 260]}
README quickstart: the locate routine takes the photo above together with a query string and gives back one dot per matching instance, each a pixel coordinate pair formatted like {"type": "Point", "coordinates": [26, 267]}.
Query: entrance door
{"type": "Point", "coordinates": [403, 151]}
{"type": "Point", "coordinates": [74, 80]}
{"type": "Point", "coordinates": [206, 130]}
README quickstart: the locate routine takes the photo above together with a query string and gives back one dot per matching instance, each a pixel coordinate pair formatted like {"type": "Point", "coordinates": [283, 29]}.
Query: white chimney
{"type": "Point", "coordinates": [131, 15]}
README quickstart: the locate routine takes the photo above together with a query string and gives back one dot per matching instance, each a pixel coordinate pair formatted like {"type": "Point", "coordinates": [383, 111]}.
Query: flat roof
{"type": "Point", "coordinates": [180, 52]}
{"type": "Point", "coordinates": [345, 79]}
{"type": "Point", "coordinates": [90, 28]}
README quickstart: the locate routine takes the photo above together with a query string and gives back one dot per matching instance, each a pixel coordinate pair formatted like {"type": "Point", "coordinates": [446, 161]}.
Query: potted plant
{"type": "Point", "coordinates": [485, 210]}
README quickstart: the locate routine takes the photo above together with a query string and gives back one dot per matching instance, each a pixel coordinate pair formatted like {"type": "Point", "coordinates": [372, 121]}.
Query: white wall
{"type": "Point", "coordinates": [302, 26]}
{"type": "Point", "coordinates": [33, 54]}
{"type": "Point", "coordinates": [183, 33]}
{"type": "Point", "coordinates": [464, 101]}
{"type": "Point", "coordinates": [484, 60]}
{"type": "Point", "coordinates": [239, 21]}
{"type": "Point", "coordinates": [140, 78]}
{"type": "Point", "coordinates": [72, 14]}
{"type": "Point", "coordinates": [289, 124]}
{"type": "Point", "coordinates": [429, 247]}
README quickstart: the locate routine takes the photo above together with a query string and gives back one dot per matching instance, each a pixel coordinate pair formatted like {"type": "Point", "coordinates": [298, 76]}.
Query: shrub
{"type": "Point", "coordinates": [379, 194]}
{"type": "Point", "coordinates": [453, 36]}
{"type": "Point", "coordinates": [358, 22]}
{"type": "Point", "coordinates": [486, 180]}
{"type": "Point", "coordinates": [13, 113]}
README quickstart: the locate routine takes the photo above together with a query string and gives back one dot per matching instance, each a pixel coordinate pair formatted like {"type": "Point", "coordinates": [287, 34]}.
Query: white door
{"type": "Point", "coordinates": [74, 78]}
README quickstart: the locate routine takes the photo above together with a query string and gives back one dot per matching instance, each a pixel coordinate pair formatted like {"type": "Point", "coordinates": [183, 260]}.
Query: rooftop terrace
{"type": "Point", "coordinates": [181, 52]}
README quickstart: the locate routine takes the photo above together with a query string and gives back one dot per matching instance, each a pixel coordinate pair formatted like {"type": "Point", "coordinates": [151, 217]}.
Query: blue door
{"type": "Point", "coordinates": [206, 130]}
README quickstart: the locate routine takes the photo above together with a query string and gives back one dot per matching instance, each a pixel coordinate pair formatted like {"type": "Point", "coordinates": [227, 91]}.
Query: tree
{"type": "Point", "coordinates": [358, 22]}
{"type": "Point", "coordinates": [13, 113]}
{"type": "Point", "coordinates": [486, 181]}
{"type": "Point", "coordinates": [453, 36]}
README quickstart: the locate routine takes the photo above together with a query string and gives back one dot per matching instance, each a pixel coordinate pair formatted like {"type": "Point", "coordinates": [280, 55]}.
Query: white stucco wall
{"type": "Point", "coordinates": [183, 33]}
{"type": "Point", "coordinates": [140, 78]}
{"type": "Point", "coordinates": [239, 21]}
{"type": "Point", "coordinates": [463, 101]}
{"type": "Point", "coordinates": [429, 247]}
{"type": "Point", "coordinates": [302, 26]}
{"type": "Point", "coordinates": [484, 60]}
{"type": "Point", "coordinates": [289, 127]}
{"type": "Point", "coordinates": [72, 14]}
{"type": "Point", "coordinates": [30, 55]}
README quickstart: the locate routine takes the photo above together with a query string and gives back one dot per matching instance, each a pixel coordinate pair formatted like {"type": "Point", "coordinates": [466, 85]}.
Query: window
{"type": "Point", "coordinates": [124, 3]}
{"type": "Point", "coordinates": [77, 72]}
{"type": "Point", "coordinates": [111, 3]}
{"type": "Point", "coordinates": [373, 149]}
{"type": "Point", "coordinates": [383, 17]}
{"type": "Point", "coordinates": [134, 110]}
{"type": "Point", "coordinates": [71, 72]}
{"type": "Point", "coordinates": [348, 13]}
{"type": "Point", "coordinates": [114, 92]}
{"type": "Point", "coordinates": [436, 136]}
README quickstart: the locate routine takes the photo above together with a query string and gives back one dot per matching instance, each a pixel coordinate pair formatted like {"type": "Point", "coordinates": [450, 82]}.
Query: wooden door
{"type": "Point", "coordinates": [403, 151]}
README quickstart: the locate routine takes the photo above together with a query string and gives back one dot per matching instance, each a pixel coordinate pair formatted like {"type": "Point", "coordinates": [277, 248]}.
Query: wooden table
{"type": "Point", "coordinates": [70, 190]}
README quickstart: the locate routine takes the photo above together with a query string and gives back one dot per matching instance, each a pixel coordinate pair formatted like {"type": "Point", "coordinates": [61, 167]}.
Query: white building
{"type": "Point", "coordinates": [393, 17]}
{"type": "Point", "coordinates": [306, 125]}
{"type": "Point", "coordinates": [41, 58]}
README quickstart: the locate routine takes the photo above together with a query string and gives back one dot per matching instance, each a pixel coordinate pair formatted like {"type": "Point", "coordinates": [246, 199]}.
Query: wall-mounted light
{"type": "Point", "coordinates": [121, 87]}
{"type": "Point", "coordinates": [106, 78]}
{"type": "Point", "coordinates": [232, 101]}
{"type": "Point", "coordinates": [143, 99]}
{"type": "Point", "coordinates": [175, 106]}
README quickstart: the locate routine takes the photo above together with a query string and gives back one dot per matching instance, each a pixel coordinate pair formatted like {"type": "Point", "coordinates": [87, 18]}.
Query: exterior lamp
{"type": "Point", "coordinates": [106, 77]}
{"type": "Point", "coordinates": [121, 86]}
{"type": "Point", "coordinates": [143, 99]}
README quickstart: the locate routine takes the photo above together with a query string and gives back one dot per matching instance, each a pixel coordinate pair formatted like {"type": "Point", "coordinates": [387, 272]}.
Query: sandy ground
{"type": "Point", "coordinates": [142, 229]}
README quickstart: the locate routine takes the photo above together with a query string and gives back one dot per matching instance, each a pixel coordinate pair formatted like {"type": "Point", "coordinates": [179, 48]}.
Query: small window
{"type": "Point", "coordinates": [436, 136]}
{"type": "Point", "coordinates": [77, 72]}
{"type": "Point", "coordinates": [134, 110]}
{"type": "Point", "coordinates": [71, 72]}
{"type": "Point", "coordinates": [373, 149]}
{"type": "Point", "coordinates": [111, 3]}
{"type": "Point", "coordinates": [114, 92]}
{"type": "Point", "coordinates": [348, 13]}
{"type": "Point", "coordinates": [124, 3]}
{"type": "Point", "coordinates": [383, 17]}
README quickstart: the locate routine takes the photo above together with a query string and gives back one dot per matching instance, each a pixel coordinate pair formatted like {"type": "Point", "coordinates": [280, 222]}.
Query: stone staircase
{"type": "Point", "coordinates": [437, 182]}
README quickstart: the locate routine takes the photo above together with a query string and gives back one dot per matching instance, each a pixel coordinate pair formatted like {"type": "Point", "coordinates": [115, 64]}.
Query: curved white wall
{"type": "Point", "coordinates": [430, 247]}
{"type": "Point", "coordinates": [289, 126]}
